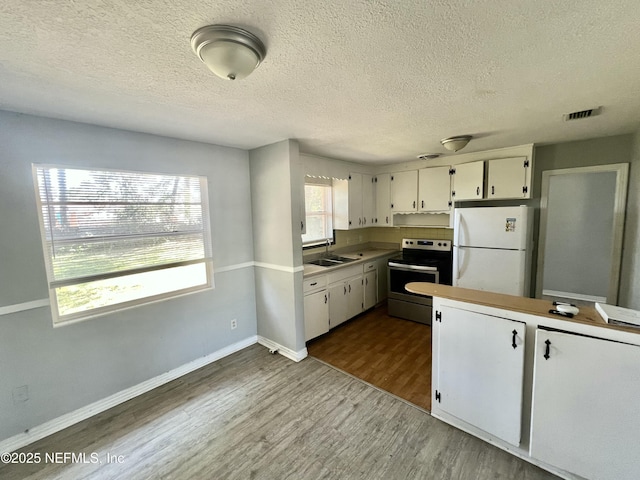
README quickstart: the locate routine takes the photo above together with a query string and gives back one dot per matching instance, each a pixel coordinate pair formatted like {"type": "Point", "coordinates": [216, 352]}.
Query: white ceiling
{"type": "Point", "coordinates": [370, 81]}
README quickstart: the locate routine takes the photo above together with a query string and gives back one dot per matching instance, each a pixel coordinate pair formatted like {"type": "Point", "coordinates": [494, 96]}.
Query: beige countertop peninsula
{"type": "Point", "coordinates": [533, 306]}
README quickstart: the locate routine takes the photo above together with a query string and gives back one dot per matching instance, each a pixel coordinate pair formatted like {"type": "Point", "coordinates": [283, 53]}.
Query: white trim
{"type": "Point", "coordinates": [229, 268]}
{"type": "Point", "coordinates": [284, 351]}
{"type": "Point", "coordinates": [57, 424]}
{"type": "Point", "coordinates": [21, 307]}
{"type": "Point", "coordinates": [281, 268]}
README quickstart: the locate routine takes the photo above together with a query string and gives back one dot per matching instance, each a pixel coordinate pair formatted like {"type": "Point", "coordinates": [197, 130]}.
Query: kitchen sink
{"type": "Point", "coordinates": [331, 261]}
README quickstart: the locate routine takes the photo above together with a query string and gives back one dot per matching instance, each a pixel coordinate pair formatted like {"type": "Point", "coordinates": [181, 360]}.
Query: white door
{"type": "Point", "coordinates": [337, 304]}
{"type": "Point", "coordinates": [370, 289]}
{"type": "Point", "coordinates": [585, 415]}
{"type": "Point", "coordinates": [404, 191]}
{"type": "Point", "coordinates": [368, 201]}
{"type": "Point", "coordinates": [434, 189]}
{"type": "Point", "coordinates": [507, 178]}
{"type": "Point", "coordinates": [316, 314]}
{"type": "Point", "coordinates": [383, 200]}
{"type": "Point", "coordinates": [493, 227]}
{"type": "Point", "coordinates": [480, 373]}
{"type": "Point", "coordinates": [491, 270]}
{"type": "Point", "coordinates": [468, 181]}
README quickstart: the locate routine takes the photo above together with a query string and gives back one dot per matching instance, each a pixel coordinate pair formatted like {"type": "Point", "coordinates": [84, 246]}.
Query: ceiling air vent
{"type": "Point", "coordinates": [592, 112]}
{"type": "Point", "coordinates": [428, 156]}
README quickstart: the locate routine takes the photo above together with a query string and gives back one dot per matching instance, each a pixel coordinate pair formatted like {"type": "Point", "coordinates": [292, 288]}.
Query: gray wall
{"type": "Point", "coordinates": [601, 151]}
{"type": "Point", "coordinates": [71, 366]}
{"type": "Point", "coordinates": [277, 243]}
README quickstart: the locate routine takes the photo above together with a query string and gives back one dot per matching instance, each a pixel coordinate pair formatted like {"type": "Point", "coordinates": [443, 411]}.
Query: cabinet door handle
{"type": "Point", "coordinates": [513, 341]}
{"type": "Point", "coordinates": [547, 349]}
{"type": "Point", "coordinates": [414, 204]}
{"type": "Point", "coordinates": [364, 221]}
{"type": "Point", "coordinates": [325, 298]}
{"type": "Point", "coordinates": [366, 281]}
{"type": "Point", "coordinates": [345, 289]}
{"type": "Point", "coordinates": [493, 190]}
{"type": "Point", "coordinates": [301, 225]}
{"type": "Point", "coordinates": [477, 191]}
{"type": "Point", "coordinates": [386, 219]}
{"type": "Point", "coordinates": [313, 284]}
{"type": "Point", "coordinates": [422, 204]}
{"type": "Point", "coordinates": [359, 221]}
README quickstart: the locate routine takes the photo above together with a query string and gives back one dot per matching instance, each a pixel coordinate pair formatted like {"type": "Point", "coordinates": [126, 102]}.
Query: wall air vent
{"type": "Point", "coordinates": [428, 156]}
{"type": "Point", "coordinates": [592, 112]}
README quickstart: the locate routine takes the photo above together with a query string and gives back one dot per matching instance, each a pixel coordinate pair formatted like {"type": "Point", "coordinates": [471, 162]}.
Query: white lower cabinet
{"type": "Point", "coordinates": [370, 288]}
{"type": "Point", "coordinates": [585, 415]}
{"type": "Point", "coordinates": [345, 294]}
{"type": "Point", "coordinates": [316, 307]}
{"type": "Point", "coordinates": [479, 370]}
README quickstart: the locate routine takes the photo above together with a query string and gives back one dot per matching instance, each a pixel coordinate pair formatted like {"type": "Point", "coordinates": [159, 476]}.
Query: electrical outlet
{"type": "Point", "coordinates": [234, 323]}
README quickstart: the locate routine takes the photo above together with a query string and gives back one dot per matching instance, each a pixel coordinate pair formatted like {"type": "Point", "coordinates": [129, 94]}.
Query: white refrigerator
{"type": "Point", "coordinates": [492, 249]}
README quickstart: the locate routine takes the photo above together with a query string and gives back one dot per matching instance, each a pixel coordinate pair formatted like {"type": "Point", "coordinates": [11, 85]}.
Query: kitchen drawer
{"type": "Point", "coordinates": [343, 273]}
{"type": "Point", "coordinates": [314, 284]}
{"type": "Point", "coordinates": [369, 267]}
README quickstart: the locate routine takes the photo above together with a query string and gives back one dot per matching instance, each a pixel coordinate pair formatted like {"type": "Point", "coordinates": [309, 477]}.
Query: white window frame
{"type": "Point", "coordinates": [53, 284]}
{"type": "Point", "coordinates": [327, 213]}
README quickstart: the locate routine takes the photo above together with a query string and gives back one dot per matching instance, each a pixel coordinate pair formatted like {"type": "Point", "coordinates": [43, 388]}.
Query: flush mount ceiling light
{"type": "Point", "coordinates": [456, 143]}
{"type": "Point", "coordinates": [230, 52]}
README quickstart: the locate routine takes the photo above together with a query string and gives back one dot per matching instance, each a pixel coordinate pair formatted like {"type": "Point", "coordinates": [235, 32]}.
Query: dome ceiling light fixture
{"type": "Point", "coordinates": [230, 52]}
{"type": "Point", "coordinates": [456, 143]}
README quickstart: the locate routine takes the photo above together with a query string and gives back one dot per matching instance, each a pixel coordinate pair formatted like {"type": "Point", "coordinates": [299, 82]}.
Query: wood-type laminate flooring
{"type": "Point", "coordinates": [253, 415]}
{"type": "Point", "coordinates": [391, 353]}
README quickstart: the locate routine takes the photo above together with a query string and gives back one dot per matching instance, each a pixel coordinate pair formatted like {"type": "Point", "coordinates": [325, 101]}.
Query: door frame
{"type": "Point", "coordinates": [619, 208]}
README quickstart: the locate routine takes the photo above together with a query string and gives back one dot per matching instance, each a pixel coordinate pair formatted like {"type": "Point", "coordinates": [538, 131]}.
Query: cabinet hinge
{"type": "Point", "coordinates": [392, 206]}
{"type": "Point", "coordinates": [453, 193]}
{"type": "Point", "coordinates": [450, 203]}
{"type": "Point", "coordinates": [526, 164]}
{"type": "Point", "coordinates": [452, 171]}
{"type": "Point", "coordinates": [349, 176]}
{"type": "Point", "coordinates": [525, 189]}
{"type": "Point", "coordinates": [438, 396]}
{"type": "Point", "coordinates": [438, 316]}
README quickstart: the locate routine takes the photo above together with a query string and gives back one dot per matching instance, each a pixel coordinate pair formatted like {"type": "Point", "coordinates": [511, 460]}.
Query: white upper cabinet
{"type": "Point", "coordinates": [347, 202]}
{"type": "Point", "coordinates": [404, 191]}
{"type": "Point", "coordinates": [434, 189]}
{"type": "Point", "coordinates": [468, 181]}
{"type": "Point", "coordinates": [383, 200]}
{"type": "Point", "coordinates": [509, 178]}
{"type": "Point", "coordinates": [368, 201]}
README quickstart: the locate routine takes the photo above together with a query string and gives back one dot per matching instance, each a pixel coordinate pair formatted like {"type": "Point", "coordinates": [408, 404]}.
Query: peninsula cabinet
{"type": "Point", "coordinates": [479, 370]}
{"type": "Point", "coordinates": [586, 413]}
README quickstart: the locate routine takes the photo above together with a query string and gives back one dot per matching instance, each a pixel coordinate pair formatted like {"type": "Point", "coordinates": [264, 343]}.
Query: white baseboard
{"type": "Point", "coordinates": [284, 351]}
{"type": "Point", "coordinates": [71, 418]}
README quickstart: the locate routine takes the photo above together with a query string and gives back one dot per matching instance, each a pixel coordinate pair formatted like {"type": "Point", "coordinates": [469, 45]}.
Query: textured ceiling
{"type": "Point", "coordinates": [370, 81]}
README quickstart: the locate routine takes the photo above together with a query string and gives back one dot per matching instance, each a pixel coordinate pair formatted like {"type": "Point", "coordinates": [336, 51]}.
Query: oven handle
{"type": "Point", "coordinates": [402, 266]}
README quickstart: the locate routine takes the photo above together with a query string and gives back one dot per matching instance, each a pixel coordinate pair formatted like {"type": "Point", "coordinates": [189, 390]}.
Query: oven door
{"type": "Point", "coordinates": [401, 274]}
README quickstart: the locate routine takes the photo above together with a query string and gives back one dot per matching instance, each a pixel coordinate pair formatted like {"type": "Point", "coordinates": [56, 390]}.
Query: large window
{"type": "Point", "coordinates": [115, 239]}
{"type": "Point", "coordinates": [319, 214]}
